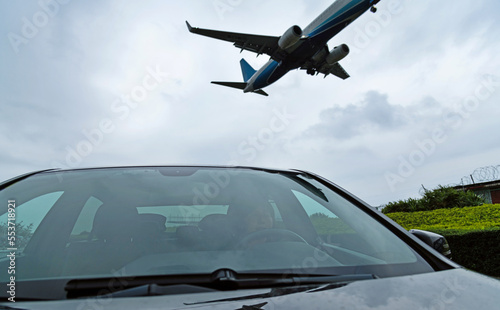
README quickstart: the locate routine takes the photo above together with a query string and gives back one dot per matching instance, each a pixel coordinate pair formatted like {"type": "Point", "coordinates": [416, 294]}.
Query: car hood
{"type": "Point", "coordinates": [451, 289]}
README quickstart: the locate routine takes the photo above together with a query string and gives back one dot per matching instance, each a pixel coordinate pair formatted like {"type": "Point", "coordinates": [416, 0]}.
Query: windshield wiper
{"type": "Point", "coordinates": [312, 284]}
{"type": "Point", "coordinates": [219, 280]}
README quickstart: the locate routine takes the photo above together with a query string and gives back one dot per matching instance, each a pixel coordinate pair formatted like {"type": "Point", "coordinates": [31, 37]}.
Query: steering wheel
{"type": "Point", "coordinates": [271, 235]}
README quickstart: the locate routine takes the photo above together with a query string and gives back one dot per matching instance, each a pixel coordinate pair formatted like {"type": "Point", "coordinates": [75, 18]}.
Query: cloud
{"type": "Point", "coordinates": [419, 67]}
{"type": "Point", "coordinates": [374, 114]}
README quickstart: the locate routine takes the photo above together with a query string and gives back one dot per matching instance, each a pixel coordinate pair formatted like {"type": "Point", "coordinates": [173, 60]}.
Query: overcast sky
{"type": "Point", "coordinates": [92, 83]}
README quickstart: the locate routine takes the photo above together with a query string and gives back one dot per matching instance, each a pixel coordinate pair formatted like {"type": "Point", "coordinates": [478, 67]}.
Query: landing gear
{"type": "Point", "coordinates": [373, 9]}
{"type": "Point", "coordinates": [311, 71]}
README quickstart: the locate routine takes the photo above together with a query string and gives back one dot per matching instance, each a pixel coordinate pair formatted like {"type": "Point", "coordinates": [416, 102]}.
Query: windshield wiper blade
{"type": "Point", "coordinates": [113, 285]}
{"type": "Point", "coordinates": [159, 290]}
{"type": "Point", "coordinates": [227, 279]}
{"type": "Point", "coordinates": [320, 283]}
{"type": "Point", "coordinates": [220, 280]}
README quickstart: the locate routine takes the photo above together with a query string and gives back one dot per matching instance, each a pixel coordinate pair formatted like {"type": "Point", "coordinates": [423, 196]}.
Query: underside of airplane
{"type": "Point", "coordinates": [296, 49]}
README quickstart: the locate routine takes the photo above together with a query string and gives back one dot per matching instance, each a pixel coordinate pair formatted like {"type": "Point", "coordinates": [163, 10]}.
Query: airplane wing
{"type": "Point", "coordinates": [249, 42]}
{"type": "Point", "coordinates": [337, 70]}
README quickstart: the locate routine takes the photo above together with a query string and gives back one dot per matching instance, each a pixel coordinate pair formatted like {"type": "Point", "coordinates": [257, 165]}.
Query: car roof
{"type": "Point", "coordinates": [15, 179]}
{"type": "Point", "coordinates": [267, 169]}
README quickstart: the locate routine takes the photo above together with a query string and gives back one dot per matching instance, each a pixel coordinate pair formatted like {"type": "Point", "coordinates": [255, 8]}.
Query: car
{"type": "Point", "coordinates": [196, 237]}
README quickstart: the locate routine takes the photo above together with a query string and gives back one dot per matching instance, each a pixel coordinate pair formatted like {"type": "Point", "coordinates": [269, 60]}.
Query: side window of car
{"type": "Point", "coordinates": [83, 224]}
{"type": "Point", "coordinates": [28, 217]}
{"type": "Point", "coordinates": [325, 222]}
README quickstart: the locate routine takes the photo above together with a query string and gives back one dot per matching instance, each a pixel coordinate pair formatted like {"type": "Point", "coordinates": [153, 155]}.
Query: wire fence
{"type": "Point", "coordinates": [481, 175]}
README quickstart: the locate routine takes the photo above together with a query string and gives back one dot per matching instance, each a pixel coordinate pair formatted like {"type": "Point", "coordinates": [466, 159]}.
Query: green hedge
{"type": "Point", "coordinates": [478, 251]}
{"type": "Point", "coordinates": [442, 197]}
{"type": "Point", "coordinates": [451, 221]}
{"type": "Point", "coordinates": [472, 232]}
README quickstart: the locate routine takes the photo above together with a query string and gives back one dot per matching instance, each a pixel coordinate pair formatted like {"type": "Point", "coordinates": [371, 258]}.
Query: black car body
{"type": "Point", "coordinates": [172, 237]}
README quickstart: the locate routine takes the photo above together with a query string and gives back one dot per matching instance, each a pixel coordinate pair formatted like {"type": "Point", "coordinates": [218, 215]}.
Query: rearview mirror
{"type": "Point", "coordinates": [437, 242]}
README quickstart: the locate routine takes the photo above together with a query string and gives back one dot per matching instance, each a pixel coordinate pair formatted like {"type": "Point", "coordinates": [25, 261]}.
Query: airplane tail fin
{"type": "Point", "coordinates": [240, 85]}
{"type": "Point", "coordinates": [247, 70]}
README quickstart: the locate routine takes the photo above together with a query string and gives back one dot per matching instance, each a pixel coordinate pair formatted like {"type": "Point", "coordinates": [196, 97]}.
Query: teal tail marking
{"type": "Point", "coordinates": [247, 70]}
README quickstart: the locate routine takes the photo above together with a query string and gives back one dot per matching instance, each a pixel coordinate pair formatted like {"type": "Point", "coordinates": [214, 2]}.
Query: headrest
{"type": "Point", "coordinates": [154, 219]}
{"type": "Point", "coordinates": [213, 222]}
{"type": "Point", "coordinates": [188, 234]}
{"type": "Point", "coordinates": [112, 222]}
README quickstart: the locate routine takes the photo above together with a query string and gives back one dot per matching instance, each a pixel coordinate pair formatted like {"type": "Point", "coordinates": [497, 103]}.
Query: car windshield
{"type": "Point", "coordinates": [184, 220]}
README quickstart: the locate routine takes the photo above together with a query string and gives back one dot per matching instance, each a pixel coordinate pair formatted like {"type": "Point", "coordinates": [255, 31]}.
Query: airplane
{"type": "Point", "coordinates": [305, 49]}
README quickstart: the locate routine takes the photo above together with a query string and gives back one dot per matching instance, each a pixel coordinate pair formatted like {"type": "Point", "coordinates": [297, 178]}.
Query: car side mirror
{"type": "Point", "coordinates": [437, 242]}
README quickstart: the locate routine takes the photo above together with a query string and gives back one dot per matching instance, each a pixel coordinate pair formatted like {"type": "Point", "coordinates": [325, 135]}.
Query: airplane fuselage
{"type": "Point", "coordinates": [333, 20]}
{"type": "Point", "coordinates": [306, 49]}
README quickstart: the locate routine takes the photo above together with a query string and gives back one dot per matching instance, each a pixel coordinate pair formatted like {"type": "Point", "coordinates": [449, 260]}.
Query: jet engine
{"type": "Point", "coordinates": [290, 37]}
{"type": "Point", "coordinates": [337, 53]}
